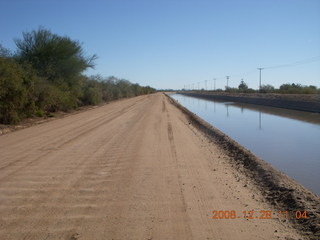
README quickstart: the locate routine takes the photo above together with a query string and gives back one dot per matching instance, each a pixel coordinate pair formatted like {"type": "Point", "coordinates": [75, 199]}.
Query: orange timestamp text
{"type": "Point", "coordinates": [263, 214]}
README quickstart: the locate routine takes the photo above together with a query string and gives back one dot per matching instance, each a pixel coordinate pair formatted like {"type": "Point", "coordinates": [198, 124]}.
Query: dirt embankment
{"type": "Point", "coordinates": [136, 169]}
{"type": "Point", "coordinates": [301, 102]}
{"type": "Point", "coordinates": [277, 188]}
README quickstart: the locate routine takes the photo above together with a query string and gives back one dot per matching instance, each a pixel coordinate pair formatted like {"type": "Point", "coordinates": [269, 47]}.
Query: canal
{"type": "Point", "coordinates": [289, 140]}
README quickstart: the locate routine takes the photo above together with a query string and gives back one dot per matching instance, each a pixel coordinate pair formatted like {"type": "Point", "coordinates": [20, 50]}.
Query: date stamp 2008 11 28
{"type": "Point", "coordinates": [263, 214]}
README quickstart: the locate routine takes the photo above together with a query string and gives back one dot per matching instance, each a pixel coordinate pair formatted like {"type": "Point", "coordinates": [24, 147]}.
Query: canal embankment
{"type": "Point", "coordinates": [277, 188]}
{"type": "Point", "coordinates": [300, 102]}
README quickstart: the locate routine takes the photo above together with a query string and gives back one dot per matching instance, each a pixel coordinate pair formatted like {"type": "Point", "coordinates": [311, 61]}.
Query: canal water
{"type": "Point", "coordinates": [289, 140]}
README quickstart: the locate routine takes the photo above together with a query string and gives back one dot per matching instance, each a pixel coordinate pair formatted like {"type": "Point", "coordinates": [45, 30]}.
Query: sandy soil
{"type": "Point", "coordinates": [133, 169]}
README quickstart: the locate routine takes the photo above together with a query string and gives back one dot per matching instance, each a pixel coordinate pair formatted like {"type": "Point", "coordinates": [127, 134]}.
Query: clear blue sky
{"type": "Point", "coordinates": [167, 44]}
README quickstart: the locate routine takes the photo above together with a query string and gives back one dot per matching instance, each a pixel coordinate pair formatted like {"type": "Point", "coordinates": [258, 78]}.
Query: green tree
{"type": "Point", "coordinates": [4, 52]}
{"type": "Point", "coordinates": [54, 57]}
{"type": "Point", "coordinates": [243, 86]}
{"type": "Point", "coordinates": [46, 75]}
{"type": "Point", "coordinates": [59, 61]}
{"type": "Point", "coordinates": [16, 91]}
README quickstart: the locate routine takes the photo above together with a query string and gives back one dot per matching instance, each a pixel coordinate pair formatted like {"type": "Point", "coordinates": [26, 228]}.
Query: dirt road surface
{"type": "Point", "coordinates": [132, 169]}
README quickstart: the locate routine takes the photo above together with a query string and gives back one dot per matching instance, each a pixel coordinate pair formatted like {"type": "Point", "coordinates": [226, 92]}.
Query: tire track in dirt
{"type": "Point", "coordinates": [79, 124]}
{"type": "Point", "coordinates": [60, 196]}
{"type": "Point", "coordinates": [65, 144]}
{"type": "Point", "coordinates": [174, 155]}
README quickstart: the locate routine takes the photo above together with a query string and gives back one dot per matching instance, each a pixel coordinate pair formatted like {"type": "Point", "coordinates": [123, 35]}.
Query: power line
{"type": "Point", "coordinates": [244, 74]}
{"type": "Point", "coordinates": [300, 62]}
{"type": "Point", "coordinates": [296, 63]}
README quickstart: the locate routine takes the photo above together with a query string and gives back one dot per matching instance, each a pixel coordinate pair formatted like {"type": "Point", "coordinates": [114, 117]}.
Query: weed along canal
{"type": "Point", "coordinates": [287, 139]}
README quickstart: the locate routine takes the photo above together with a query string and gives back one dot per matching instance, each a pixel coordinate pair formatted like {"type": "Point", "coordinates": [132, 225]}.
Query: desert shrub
{"type": "Point", "coordinates": [297, 89]}
{"type": "Point", "coordinates": [45, 75]}
{"type": "Point", "coordinates": [309, 90]}
{"type": "Point", "coordinates": [51, 98]}
{"type": "Point", "coordinates": [267, 88]}
{"type": "Point", "coordinates": [232, 90]}
{"type": "Point", "coordinates": [218, 90]}
{"type": "Point", "coordinates": [16, 91]}
{"type": "Point", "coordinates": [40, 113]}
{"type": "Point", "coordinates": [250, 90]}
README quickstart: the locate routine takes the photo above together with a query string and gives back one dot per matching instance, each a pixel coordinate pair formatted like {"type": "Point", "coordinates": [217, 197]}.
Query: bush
{"type": "Point", "coordinates": [267, 88]}
{"type": "Point", "coordinates": [40, 113]}
{"type": "Point", "coordinates": [218, 90]}
{"type": "Point", "coordinates": [45, 75]}
{"type": "Point", "coordinates": [232, 90]}
{"type": "Point", "coordinates": [297, 89]}
{"type": "Point", "coordinates": [16, 91]}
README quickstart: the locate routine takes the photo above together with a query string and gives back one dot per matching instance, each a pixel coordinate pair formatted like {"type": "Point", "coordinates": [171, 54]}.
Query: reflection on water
{"type": "Point", "coordinates": [287, 139]}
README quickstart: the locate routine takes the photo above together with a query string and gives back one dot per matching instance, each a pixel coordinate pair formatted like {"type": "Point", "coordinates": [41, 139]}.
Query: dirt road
{"type": "Point", "coordinates": [132, 169]}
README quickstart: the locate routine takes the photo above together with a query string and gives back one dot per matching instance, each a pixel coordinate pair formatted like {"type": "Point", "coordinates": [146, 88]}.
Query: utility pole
{"type": "Point", "coordinates": [260, 79]}
{"type": "Point", "coordinates": [214, 84]}
{"type": "Point", "coordinates": [206, 84]}
{"type": "Point", "coordinates": [198, 86]}
{"type": "Point", "coordinates": [227, 82]}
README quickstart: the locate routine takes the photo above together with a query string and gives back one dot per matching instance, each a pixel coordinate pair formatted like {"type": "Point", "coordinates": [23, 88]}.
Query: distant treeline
{"type": "Point", "coordinates": [291, 88]}
{"type": "Point", "coordinates": [287, 88]}
{"type": "Point", "coordinates": [45, 75]}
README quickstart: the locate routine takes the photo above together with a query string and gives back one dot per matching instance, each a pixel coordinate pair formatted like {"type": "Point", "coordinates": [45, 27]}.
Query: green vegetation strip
{"type": "Point", "coordinates": [45, 75]}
